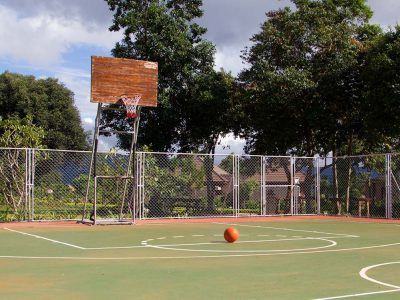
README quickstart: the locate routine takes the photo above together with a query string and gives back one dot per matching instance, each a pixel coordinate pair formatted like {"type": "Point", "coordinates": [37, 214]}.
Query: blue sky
{"type": "Point", "coordinates": [56, 38]}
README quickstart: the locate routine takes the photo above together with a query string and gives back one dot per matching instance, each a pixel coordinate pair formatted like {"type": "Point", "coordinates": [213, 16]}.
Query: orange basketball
{"type": "Point", "coordinates": [231, 234]}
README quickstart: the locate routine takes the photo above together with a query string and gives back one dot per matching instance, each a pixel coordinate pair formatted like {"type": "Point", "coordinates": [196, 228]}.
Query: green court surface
{"type": "Point", "coordinates": [287, 259]}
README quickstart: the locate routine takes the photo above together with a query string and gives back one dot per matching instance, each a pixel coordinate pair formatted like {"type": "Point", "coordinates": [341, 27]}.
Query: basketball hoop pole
{"type": "Point", "coordinates": [132, 83]}
{"type": "Point", "coordinates": [93, 159]}
{"type": "Point", "coordinates": [130, 173]}
{"type": "Point", "coordinates": [131, 167]}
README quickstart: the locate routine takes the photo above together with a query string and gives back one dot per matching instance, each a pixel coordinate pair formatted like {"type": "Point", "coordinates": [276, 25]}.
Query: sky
{"type": "Point", "coordinates": [56, 38]}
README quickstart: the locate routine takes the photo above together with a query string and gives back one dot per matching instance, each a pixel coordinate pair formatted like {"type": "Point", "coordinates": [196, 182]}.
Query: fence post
{"type": "Point", "coordinates": [26, 184]}
{"type": "Point", "coordinates": [29, 184]}
{"type": "Point", "coordinates": [235, 177]}
{"type": "Point", "coordinates": [292, 174]}
{"type": "Point", "coordinates": [263, 187]}
{"type": "Point", "coordinates": [317, 184]}
{"type": "Point", "coordinates": [140, 183]}
{"type": "Point", "coordinates": [388, 194]}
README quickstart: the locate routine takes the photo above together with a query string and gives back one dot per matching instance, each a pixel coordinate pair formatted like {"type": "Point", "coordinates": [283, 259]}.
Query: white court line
{"type": "Point", "coordinates": [363, 274]}
{"type": "Point", "coordinates": [196, 256]}
{"type": "Point", "coordinates": [286, 229]}
{"type": "Point", "coordinates": [46, 239]}
{"type": "Point", "coordinates": [359, 295]}
{"type": "Point", "coordinates": [332, 243]}
{"type": "Point", "coordinates": [75, 246]}
{"type": "Point", "coordinates": [242, 242]}
{"type": "Point", "coordinates": [145, 243]}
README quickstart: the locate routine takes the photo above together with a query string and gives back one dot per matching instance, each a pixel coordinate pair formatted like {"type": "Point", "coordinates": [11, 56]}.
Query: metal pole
{"type": "Point", "coordinates": [93, 158]}
{"type": "Point", "coordinates": [134, 171]}
{"type": "Point", "coordinates": [237, 186]}
{"type": "Point", "coordinates": [142, 182]}
{"type": "Point", "coordinates": [26, 183]}
{"type": "Point", "coordinates": [263, 191]}
{"type": "Point", "coordinates": [318, 184]}
{"type": "Point", "coordinates": [292, 166]}
{"type": "Point", "coordinates": [128, 171]}
{"type": "Point", "coordinates": [95, 201]}
{"type": "Point", "coordinates": [388, 175]}
{"type": "Point", "coordinates": [32, 184]}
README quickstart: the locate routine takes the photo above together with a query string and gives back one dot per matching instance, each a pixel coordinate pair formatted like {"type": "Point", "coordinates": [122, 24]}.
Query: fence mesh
{"type": "Point", "coordinates": [250, 185]}
{"type": "Point", "coordinates": [305, 179]}
{"type": "Point", "coordinates": [395, 185]}
{"type": "Point", "coordinates": [51, 185]}
{"type": "Point", "coordinates": [13, 206]}
{"type": "Point", "coordinates": [353, 186]}
{"type": "Point", "coordinates": [187, 185]}
{"type": "Point", "coordinates": [278, 191]}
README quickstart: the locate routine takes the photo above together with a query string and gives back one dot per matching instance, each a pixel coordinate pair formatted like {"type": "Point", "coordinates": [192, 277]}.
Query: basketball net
{"type": "Point", "coordinates": [131, 105]}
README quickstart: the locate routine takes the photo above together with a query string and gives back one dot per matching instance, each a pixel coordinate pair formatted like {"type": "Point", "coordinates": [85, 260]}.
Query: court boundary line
{"type": "Point", "coordinates": [363, 274]}
{"type": "Point", "coordinates": [165, 247]}
{"type": "Point", "coordinates": [44, 238]}
{"type": "Point", "coordinates": [197, 256]}
{"type": "Point", "coordinates": [359, 295]}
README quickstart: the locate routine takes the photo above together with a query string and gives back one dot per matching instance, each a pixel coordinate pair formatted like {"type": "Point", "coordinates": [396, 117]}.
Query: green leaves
{"type": "Point", "coordinates": [49, 103]}
{"type": "Point", "coordinates": [21, 133]}
{"type": "Point", "coordinates": [166, 32]}
{"type": "Point", "coordinates": [304, 82]}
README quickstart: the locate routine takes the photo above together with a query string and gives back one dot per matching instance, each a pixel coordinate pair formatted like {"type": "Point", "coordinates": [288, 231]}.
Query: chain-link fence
{"type": "Point", "coordinates": [53, 185]}
{"type": "Point", "coordinates": [355, 186]}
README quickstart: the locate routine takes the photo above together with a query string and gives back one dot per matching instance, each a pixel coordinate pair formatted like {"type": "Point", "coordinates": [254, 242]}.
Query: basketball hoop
{"type": "Point", "coordinates": [131, 105]}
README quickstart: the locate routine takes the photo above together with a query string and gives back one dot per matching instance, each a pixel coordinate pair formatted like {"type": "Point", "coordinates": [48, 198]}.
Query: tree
{"type": "Point", "coordinates": [208, 117]}
{"type": "Point", "coordinates": [193, 107]}
{"type": "Point", "coordinates": [51, 105]}
{"type": "Point", "coordinates": [303, 84]}
{"type": "Point", "coordinates": [382, 93]}
{"type": "Point", "coordinates": [166, 32]}
{"type": "Point", "coordinates": [16, 133]}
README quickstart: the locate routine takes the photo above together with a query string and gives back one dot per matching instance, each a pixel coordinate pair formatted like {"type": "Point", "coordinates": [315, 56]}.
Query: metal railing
{"type": "Point", "coordinates": [51, 185]}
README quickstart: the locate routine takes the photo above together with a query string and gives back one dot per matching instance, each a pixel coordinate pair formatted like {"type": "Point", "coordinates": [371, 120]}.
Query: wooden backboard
{"type": "Point", "coordinates": [113, 78]}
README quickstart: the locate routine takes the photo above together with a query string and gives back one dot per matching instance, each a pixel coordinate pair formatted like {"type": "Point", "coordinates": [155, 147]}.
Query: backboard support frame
{"type": "Point", "coordinates": [113, 81]}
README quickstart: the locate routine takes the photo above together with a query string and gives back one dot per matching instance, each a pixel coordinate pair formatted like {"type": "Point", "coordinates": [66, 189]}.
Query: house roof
{"type": "Point", "coordinates": [218, 173]}
{"type": "Point", "coordinates": [278, 175]}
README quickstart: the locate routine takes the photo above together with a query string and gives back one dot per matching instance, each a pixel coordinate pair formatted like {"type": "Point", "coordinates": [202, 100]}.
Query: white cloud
{"type": "Point", "coordinates": [229, 59]}
{"type": "Point", "coordinates": [79, 82]}
{"type": "Point", "coordinates": [88, 121]}
{"type": "Point", "coordinates": [230, 144]}
{"type": "Point", "coordinates": [41, 40]}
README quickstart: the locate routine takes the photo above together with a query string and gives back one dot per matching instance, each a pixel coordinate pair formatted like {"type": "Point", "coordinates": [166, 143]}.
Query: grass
{"type": "Point", "coordinates": [287, 259]}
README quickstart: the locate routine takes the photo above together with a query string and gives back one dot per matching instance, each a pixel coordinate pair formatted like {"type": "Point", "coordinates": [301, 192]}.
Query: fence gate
{"type": "Point", "coordinates": [306, 182]}
{"type": "Point", "coordinates": [289, 186]}
{"type": "Point", "coordinates": [277, 185]}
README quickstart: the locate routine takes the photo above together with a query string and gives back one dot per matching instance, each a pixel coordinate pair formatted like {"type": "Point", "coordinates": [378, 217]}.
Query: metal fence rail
{"type": "Point", "coordinates": [51, 184]}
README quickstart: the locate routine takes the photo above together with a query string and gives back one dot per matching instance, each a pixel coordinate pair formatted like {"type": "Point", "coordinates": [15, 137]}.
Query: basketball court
{"type": "Point", "coordinates": [307, 257]}
{"type": "Point", "coordinates": [274, 258]}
